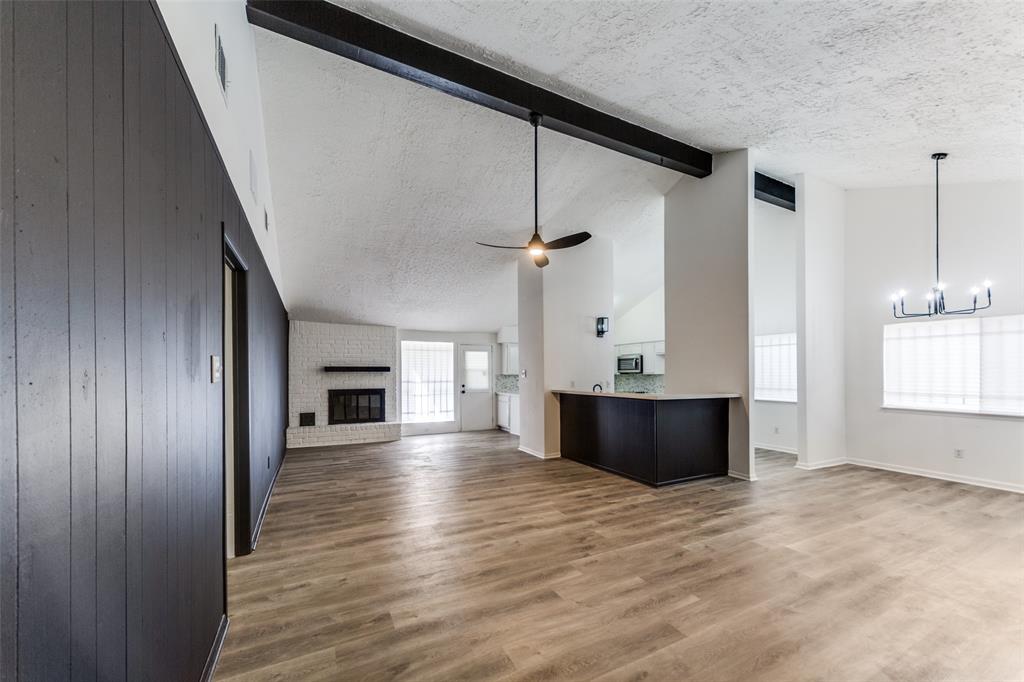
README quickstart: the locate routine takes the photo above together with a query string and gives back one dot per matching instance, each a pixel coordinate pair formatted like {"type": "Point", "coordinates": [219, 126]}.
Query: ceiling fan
{"type": "Point", "coordinates": [537, 247]}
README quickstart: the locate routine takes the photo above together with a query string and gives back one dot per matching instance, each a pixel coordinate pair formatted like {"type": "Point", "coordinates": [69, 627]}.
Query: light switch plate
{"type": "Point", "coordinates": [214, 369]}
{"type": "Point", "coordinates": [522, 373]}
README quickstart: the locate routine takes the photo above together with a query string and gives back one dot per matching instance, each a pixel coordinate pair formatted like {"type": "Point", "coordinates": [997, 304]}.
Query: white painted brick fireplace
{"type": "Point", "coordinates": [315, 345]}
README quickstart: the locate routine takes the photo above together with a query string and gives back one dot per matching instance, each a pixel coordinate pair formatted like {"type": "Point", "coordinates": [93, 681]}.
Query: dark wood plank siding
{"type": "Point", "coordinates": [134, 637]}
{"type": "Point", "coordinates": [112, 197]}
{"type": "Point", "coordinates": [109, 220]}
{"type": "Point", "coordinates": [42, 336]}
{"type": "Point", "coordinates": [8, 372]}
{"type": "Point", "coordinates": [268, 341]}
{"type": "Point", "coordinates": [82, 327]}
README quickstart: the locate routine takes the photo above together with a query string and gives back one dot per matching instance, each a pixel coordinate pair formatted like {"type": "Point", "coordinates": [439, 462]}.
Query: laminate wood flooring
{"type": "Point", "coordinates": [457, 557]}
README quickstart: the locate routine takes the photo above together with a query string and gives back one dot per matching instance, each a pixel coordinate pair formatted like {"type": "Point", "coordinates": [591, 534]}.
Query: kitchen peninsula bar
{"type": "Point", "coordinates": [652, 438]}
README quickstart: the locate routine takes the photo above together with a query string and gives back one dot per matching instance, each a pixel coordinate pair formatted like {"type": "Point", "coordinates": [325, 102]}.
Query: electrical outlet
{"type": "Point", "coordinates": [958, 453]}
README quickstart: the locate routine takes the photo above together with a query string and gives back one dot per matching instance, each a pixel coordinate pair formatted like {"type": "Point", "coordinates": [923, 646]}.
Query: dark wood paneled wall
{"type": "Point", "coordinates": [112, 201]}
{"type": "Point", "coordinates": [267, 375]}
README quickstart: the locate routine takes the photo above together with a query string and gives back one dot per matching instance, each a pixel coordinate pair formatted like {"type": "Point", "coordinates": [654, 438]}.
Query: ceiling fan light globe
{"type": "Point", "coordinates": [534, 251]}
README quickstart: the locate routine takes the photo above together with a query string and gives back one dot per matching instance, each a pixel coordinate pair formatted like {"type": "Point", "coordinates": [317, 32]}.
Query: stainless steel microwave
{"type": "Point", "coordinates": [631, 364]}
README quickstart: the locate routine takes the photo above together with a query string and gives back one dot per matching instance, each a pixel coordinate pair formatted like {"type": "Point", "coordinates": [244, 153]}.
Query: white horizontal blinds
{"type": "Point", "coordinates": [428, 381]}
{"type": "Point", "coordinates": [477, 370]}
{"type": "Point", "coordinates": [775, 367]}
{"type": "Point", "coordinates": [968, 365]}
{"type": "Point", "coordinates": [933, 364]}
{"type": "Point", "coordinates": [1002, 364]}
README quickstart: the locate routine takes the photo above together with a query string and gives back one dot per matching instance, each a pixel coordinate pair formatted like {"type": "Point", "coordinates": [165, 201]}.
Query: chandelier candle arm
{"type": "Point", "coordinates": [937, 293]}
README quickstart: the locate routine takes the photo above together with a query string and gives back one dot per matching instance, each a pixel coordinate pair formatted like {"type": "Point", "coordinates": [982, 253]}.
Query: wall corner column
{"type": "Point", "coordinates": [708, 240]}
{"type": "Point", "coordinates": [821, 309]}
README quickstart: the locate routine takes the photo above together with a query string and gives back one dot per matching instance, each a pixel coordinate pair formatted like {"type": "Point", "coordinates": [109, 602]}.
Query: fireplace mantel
{"type": "Point", "coordinates": [357, 368]}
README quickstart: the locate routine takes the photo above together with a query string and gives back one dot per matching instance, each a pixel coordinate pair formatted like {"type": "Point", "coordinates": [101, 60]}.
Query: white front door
{"type": "Point", "coordinates": [475, 390]}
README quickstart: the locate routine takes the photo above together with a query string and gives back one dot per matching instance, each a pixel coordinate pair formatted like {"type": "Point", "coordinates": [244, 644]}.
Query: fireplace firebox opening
{"type": "Point", "coordinates": [355, 405]}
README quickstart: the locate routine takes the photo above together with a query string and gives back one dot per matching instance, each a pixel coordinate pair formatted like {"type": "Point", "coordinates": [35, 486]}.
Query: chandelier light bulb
{"type": "Point", "coordinates": [903, 293]}
{"type": "Point", "coordinates": [894, 298]}
{"type": "Point", "coordinates": [930, 296]}
{"type": "Point", "coordinates": [975, 290]}
{"type": "Point", "coordinates": [987, 284]}
{"type": "Point", "coordinates": [941, 286]}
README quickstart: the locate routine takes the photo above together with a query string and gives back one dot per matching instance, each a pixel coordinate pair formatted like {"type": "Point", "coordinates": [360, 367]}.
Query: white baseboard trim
{"type": "Point", "coordinates": [540, 455]}
{"type": "Point", "coordinates": [837, 461]}
{"type": "Point", "coordinates": [741, 476]}
{"type": "Point", "coordinates": [942, 476]}
{"type": "Point", "coordinates": [777, 448]}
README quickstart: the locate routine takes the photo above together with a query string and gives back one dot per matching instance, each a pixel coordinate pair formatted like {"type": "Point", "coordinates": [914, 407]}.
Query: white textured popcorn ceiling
{"type": "Point", "coordinates": [382, 185]}
{"type": "Point", "coordinates": [859, 92]}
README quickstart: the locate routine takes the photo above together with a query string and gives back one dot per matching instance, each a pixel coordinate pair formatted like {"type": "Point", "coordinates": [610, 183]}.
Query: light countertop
{"type": "Point", "coordinates": [650, 396]}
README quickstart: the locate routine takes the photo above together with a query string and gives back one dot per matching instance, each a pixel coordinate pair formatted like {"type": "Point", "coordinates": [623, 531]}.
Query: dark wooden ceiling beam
{"type": "Point", "coordinates": [345, 33]}
{"type": "Point", "coordinates": [774, 191]}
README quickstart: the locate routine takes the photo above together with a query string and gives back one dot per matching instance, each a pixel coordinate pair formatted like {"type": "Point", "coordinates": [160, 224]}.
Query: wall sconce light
{"type": "Point", "coordinates": [602, 326]}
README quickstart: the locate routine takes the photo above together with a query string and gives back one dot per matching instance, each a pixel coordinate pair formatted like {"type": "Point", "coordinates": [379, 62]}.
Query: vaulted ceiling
{"type": "Point", "coordinates": [381, 186]}
{"type": "Point", "coordinates": [859, 92]}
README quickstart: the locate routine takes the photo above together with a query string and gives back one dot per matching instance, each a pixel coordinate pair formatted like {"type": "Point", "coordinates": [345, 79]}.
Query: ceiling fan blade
{"type": "Point", "coordinates": [497, 246]}
{"type": "Point", "coordinates": [568, 241]}
{"type": "Point", "coordinates": [541, 260]}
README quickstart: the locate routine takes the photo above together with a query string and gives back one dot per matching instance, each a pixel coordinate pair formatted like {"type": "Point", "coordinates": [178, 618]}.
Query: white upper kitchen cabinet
{"type": "Point", "coordinates": [510, 358]}
{"type": "Point", "coordinates": [654, 362]}
{"type": "Point", "coordinates": [629, 349]}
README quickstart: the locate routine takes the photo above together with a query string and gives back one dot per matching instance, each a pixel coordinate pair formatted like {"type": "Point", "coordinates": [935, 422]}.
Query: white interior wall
{"type": "Point", "coordinates": [889, 245]}
{"type": "Point", "coordinates": [821, 316]}
{"type": "Point", "coordinates": [643, 322]}
{"type": "Point", "coordinates": [708, 347]}
{"type": "Point", "coordinates": [530, 315]}
{"type": "Point", "coordinates": [578, 289]}
{"type": "Point", "coordinates": [773, 279]}
{"type": "Point", "coordinates": [235, 117]}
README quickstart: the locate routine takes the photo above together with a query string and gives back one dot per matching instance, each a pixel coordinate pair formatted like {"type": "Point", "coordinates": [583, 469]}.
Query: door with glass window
{"type": "Point", "coordinates": [475, 391]}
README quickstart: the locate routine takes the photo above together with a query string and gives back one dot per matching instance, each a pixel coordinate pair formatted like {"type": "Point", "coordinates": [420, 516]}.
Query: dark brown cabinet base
{"type": "Point", "coordinates": [657, 442]}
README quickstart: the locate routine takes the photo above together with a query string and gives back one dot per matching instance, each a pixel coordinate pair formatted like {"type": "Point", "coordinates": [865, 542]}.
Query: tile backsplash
{"type": "Point", "coordinates": [635, 383]}
{"type": "Point", "coordinates": [506, 383]}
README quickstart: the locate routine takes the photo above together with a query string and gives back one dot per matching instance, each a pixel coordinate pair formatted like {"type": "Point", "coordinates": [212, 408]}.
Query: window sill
{"type": "Point", "coordinates": [775, 400]}
{"type": "Point", "coordinates": [952, 411]}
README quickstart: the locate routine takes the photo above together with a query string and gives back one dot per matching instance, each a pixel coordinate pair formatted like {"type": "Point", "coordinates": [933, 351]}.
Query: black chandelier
{"type": "Point", "coordinates": [936, 296]}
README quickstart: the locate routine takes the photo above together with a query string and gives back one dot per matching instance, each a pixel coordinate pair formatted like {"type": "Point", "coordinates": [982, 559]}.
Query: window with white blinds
{"type": "Point", "coordinates": [428, 381]}
{"type": "Point", "coordinates": [775, 367]}
{"type": "Point", "coordinates": [975, 364]}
